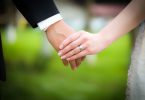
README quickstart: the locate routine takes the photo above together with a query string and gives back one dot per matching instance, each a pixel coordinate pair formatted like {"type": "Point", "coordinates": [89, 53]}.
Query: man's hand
{"type": "Point", "coordinates": [56, 34]}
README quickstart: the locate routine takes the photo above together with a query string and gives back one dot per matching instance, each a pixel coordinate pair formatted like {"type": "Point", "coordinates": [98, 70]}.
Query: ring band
{"type": "Point", "coordinates": [81, 48]}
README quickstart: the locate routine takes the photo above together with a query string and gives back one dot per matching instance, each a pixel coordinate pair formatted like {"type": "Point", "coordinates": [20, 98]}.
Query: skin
{"type": "Point", "coordinates": [132, 15]}
{"type": "Point", "coordinates": [56, 34]}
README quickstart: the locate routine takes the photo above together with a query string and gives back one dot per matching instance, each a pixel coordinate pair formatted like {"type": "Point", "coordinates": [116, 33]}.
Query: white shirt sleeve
{"type": "Point", "coordinates": [43, 25]}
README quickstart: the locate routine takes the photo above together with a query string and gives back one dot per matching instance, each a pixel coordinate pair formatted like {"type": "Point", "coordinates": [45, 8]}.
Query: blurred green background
{"type": "Point", "coordinates": [35, 71]}
{"type": "Point", "coordinates": [33, 76]}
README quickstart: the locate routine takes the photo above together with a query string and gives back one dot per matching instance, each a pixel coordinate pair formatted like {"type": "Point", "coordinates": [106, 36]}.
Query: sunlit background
{"type": "Point", "coordinates": [35, 71]}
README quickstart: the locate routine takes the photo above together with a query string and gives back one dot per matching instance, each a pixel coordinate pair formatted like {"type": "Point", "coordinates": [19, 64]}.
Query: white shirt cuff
{"type": "Point", "coordinates": [43, 25]}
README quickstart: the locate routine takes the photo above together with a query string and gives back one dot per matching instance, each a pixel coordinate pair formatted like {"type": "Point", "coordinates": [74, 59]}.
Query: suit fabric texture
{"type": "Point", "coordinates": [34, 11]}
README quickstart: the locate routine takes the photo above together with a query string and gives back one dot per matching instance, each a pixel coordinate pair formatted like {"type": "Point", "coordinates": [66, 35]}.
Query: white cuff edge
{"type": "Point", "coordinates": [43, 25]}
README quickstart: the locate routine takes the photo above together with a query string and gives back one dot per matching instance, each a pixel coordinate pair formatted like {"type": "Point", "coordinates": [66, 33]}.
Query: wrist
{"type": "Point", "coordinates": [54, 27]}
{"type": "Point", "coordinates": [105, 38]}
{"type": "Point", "coordinates": [59, 27]}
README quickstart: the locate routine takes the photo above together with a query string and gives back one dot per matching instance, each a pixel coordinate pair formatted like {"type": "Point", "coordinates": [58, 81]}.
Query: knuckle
{"type": "Point", "coordinates": [71, 53]}
{"type": "Point", "coordinates": [68, 48]}
{"type": "Point", "coordinates": [63, 51]}
{"type": "Point", "coordinates": [73, 45]}
{"type": "Point", "coordinates": [71, 39]}
{"type": "Point", "coordinates": [66, 42]}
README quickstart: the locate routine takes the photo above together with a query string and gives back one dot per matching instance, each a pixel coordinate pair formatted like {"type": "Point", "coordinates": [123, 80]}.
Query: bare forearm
{"type": "Point", "coordinates": [127, 20]}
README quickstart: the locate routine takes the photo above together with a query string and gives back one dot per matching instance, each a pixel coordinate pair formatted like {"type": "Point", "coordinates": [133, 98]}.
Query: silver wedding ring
{"type": "Point", "coordinates": [81, 48]}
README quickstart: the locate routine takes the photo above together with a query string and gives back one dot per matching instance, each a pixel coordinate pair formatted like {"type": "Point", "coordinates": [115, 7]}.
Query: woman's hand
{"type": "Point", "coordinates": [81, 44]}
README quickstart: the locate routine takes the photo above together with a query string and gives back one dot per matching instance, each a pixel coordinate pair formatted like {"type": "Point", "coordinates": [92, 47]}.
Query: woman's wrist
{"type": "Point", "coordinates": [105, 38]}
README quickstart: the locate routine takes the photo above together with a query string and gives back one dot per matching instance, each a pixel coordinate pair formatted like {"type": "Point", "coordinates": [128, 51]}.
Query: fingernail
{"type": "Point", "coordinates": [63, 57]}
{"type": "Point", "coordinates": [61, 47]}
{"type": "Point", "coordinates": [59, 53]}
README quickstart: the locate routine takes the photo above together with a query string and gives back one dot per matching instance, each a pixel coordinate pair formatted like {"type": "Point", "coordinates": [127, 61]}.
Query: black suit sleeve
{"type": "Point", "coordinates": [36, 10]}
{"type": "Point", "coordinates": [2, 67]}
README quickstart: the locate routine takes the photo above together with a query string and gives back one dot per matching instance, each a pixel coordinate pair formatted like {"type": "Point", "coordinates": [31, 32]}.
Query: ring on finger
{"type": "Point", "coordinates": [81, 48]}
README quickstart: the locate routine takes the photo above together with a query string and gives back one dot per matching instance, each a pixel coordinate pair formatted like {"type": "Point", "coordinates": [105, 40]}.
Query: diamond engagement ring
{"type": "Point", "coordinates": [81, 48]}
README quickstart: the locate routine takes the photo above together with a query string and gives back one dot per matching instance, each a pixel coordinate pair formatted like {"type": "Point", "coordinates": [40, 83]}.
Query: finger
{"type": "Point", "coordinates": [73, 64]}
{"type": "Point", "coordinates": [75, 51]}
{"type": "Point", "coordinates": [79, 55]}
{"type": "Point", "coordinates": [65, 62]}
{"type": "Point", "coordinates": [78, 61]}
{"type": "Point", "coordinates": [71, 46]}
{"type": "Point", "coordinates": [68, 40]}
{"type": "Point", "coordinates": [71, 53]}
{"type": "Point", "coordinates": [83, 58]}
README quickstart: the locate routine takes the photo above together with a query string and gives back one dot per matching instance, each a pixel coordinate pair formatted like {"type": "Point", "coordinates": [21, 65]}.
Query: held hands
{"type": "Point", "coordinates": [81, 44]}
{"type": "Point", "coordinates": [56, 34]}
{"type": "Point", "coordinates": [74, 47]}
